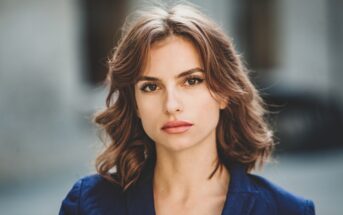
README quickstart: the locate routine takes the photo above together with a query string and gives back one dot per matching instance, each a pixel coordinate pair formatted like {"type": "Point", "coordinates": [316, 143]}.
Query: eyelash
{"type": "Point", "coordinates": [197, 80]}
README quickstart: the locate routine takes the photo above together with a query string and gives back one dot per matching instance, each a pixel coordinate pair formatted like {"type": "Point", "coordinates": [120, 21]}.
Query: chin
{"type": "Point", "coordinates": [179, 145]}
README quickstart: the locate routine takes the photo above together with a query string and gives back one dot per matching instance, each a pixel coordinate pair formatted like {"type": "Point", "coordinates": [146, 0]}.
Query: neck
{"type": "Point", "coordinates": [186, 173]}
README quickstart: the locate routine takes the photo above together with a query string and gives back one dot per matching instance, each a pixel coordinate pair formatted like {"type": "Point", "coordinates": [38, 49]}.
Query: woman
{"type": "Point", "coordinates": [186, 127]}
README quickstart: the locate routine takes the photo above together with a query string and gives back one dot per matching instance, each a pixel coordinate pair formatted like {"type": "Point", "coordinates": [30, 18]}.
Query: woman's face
{"type": "Point", "coordinates": [174, 104]}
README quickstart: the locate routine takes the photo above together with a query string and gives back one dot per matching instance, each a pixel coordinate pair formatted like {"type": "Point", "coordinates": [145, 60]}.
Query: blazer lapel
{"type": "Point", "coordinates": [242, 194]}
{"type": "Point", "coordinates": [239, 204]}
{"type": "Point", "coordinates": [239, 200]}
{"type": "Point", "coordinates": [140, 199]}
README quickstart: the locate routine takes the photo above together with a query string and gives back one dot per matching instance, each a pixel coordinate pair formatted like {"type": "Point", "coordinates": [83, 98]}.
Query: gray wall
{"type": "Point", "coordinates": [41, 92]}
{"type": "Point", "coordinates": [304, 45]}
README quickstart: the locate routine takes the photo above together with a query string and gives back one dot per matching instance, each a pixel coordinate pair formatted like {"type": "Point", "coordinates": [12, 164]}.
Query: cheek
{"type": "Point", "coordinates": [146, 106]}
{"type": "Point", "coordinates": [208, 111]}
{"type": "Point", "coordinates": [208, 104]}
{"type": "Point", "coordinates": [148, 110]}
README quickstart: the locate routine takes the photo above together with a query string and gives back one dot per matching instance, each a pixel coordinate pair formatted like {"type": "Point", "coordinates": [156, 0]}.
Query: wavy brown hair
{"type": "Point", "coordinates": [242, 133]}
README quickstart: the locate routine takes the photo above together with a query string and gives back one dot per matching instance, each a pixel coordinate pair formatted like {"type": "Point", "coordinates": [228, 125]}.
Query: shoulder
{"type": "Point", "coordinates": [93, 195]}
{"type": "Point", "coordinates": [278, 199]}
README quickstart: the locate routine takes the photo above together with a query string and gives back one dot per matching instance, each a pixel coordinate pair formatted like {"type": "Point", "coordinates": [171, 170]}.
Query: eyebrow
{"type": "Point", "coordinates": [182, 74]}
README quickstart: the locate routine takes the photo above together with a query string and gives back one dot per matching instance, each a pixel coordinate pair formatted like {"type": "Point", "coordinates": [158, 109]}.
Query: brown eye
{"type": "Point", "coordinates": [149, 87]}
{"type": "Point", "coordinates": [193, 81]}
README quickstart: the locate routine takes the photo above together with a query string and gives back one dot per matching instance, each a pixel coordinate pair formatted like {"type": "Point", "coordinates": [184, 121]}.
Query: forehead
{"type": "Point", "coordinates": [174, 54]}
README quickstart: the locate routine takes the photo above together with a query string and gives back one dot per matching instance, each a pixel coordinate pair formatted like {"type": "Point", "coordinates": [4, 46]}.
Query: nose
{"type": "Point", "coordinates": [173, 103]}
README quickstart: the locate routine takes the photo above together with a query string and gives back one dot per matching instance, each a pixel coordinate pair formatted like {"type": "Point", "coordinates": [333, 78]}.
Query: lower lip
{"type": "Point", "coordinates": [177, 130]}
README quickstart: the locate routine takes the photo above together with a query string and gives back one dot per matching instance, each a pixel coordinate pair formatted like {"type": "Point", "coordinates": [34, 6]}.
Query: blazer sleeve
{"type": "Point", "coordinates": [71, 203]}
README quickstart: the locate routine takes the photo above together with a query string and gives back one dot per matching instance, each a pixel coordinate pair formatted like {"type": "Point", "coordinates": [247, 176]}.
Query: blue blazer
{"type": "Point", "coordinates": [248, 194]}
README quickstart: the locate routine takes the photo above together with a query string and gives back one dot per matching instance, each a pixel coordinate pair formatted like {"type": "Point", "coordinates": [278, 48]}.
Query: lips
{"type": "Point", "coordinates": [174, 127]}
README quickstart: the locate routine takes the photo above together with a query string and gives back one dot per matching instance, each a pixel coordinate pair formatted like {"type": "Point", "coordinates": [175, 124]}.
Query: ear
{"type": "Point", "coordinates": [223, 103]}
{"type": "Point", "coordinates": [137, 112]}
{"type": "Point", "coordinates": [136, 109]}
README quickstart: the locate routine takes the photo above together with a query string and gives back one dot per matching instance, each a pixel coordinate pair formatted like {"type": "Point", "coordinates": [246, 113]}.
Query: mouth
{"type": "Point", "coordinates": [176, 127]}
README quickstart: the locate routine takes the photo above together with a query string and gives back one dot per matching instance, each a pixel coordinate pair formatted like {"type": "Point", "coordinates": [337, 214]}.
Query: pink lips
{"type": "Point", "coordinates": [175, 127]}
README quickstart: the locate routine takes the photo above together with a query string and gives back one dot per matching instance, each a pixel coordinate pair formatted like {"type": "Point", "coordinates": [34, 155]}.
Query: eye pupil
{"type": "Point", "coordinates": [152, 87]}
{"type": "Point", "coordinates": [192, 81]}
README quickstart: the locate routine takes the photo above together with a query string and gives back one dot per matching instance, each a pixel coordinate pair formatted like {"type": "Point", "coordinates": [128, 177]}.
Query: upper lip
{"type": "Point", "coordinates": [177, 123]}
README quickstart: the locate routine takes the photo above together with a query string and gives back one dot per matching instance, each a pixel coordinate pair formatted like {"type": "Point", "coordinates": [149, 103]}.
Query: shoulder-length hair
{"type": "Point", "coordinates": [242, 133]}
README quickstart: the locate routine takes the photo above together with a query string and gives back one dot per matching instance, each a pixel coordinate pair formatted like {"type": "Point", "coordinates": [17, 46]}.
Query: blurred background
{"type": "Point", "coordinates": [53, 61]}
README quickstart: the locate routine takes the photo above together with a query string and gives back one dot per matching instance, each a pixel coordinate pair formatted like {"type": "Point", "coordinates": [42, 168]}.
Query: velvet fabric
{"type": "Point", "coordinates": [248, 194]}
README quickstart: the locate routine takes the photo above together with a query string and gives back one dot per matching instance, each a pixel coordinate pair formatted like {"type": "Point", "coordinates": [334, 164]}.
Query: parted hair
{"type": "Point", "coordinates": [242, 134]}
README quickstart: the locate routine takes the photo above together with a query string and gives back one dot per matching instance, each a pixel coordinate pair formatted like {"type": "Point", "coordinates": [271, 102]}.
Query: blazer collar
{"type": "Point", "coordinates": [140, 198]}
{"type": "Point", "coordinates": [239, 200]}
{"type": "Point", "coordinates": [242, 193]}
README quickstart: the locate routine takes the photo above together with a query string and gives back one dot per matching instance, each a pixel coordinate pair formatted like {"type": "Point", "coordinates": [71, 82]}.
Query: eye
{"type": "Point", "coordinates": [193, 80]}
{"type": "Point", "coordinates": [149, 87]}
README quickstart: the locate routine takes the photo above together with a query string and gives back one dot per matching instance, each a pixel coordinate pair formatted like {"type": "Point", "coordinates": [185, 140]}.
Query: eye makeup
{"type": "Point", "coordinates": [193, 80]}
{"type": "Point", "coordinates": [188, 81]}
{"type": "Point", "coordinates": [148, 87]}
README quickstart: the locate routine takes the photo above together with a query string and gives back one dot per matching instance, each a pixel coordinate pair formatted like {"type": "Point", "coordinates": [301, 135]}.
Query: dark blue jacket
{"type": "Point", "coordinates": [248, 194]}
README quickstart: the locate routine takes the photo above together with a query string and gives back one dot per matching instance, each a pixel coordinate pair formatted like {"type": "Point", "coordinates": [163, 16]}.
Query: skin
{"type": "Point", "coordinates": [184, 160]}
